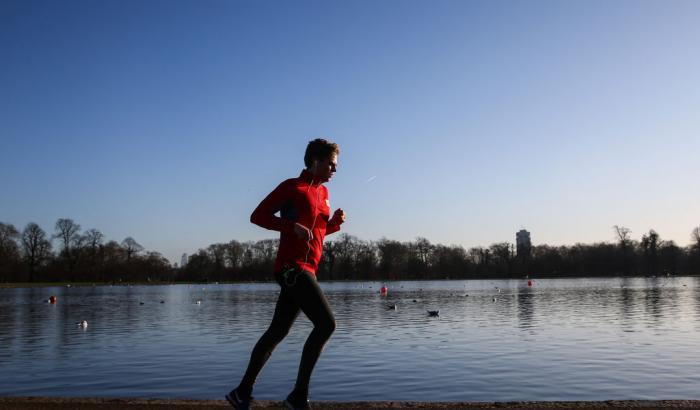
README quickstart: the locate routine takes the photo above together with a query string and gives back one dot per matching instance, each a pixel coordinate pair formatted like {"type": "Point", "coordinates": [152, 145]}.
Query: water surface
{"type": "Point", "coordinates": [561, 339]}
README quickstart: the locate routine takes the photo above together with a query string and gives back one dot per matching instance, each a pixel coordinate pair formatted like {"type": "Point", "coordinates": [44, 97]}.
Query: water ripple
{"type": "Point", "coordinates": [590, 339]}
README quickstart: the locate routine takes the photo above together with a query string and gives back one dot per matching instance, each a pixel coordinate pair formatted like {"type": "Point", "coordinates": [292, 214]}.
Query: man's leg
{"type": "Point", "coordinates": [286, 311]}
{"type": "Point", "coordinates": [310, 298]}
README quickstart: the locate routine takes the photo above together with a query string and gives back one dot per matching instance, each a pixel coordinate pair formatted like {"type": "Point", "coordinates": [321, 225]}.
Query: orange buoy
{"type": "Point", "coordinates": [384, 290]}
{"type": "Point", "coordinates": [53, 299]}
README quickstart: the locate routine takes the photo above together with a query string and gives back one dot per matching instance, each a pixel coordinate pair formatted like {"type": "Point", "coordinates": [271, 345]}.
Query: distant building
{"type": "Point", "coordinates": [183, 260]}
{"type": "Point", "coordinates": [523, 244]}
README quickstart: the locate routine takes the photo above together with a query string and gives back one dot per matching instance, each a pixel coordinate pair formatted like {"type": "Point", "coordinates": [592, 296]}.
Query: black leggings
{"type": "Point", "coordinates": [299, 292]}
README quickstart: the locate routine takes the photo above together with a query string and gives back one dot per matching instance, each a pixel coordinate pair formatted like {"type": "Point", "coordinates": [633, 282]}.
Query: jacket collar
{"type": "Point", "coordinates": [307, 176]}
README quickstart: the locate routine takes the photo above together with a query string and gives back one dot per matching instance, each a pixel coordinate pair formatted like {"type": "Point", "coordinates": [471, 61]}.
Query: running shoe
{"type": "Point", "coordinates": [296, 402]}
{"type": "Point", "coordinates": [238, 401]}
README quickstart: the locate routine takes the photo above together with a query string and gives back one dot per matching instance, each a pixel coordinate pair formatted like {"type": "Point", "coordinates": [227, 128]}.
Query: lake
{"type": "Point", "coordinates": [494, 340]}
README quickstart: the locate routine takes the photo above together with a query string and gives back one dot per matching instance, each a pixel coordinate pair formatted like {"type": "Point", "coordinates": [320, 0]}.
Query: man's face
{"type": "Point", "coordinates": [326, 168]}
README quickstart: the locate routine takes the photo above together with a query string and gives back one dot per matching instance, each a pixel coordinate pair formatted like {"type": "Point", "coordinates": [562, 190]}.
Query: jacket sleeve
{"type": "Point", "coordinates": [264, 214]}
{"type": "Point", "coordinates": [331, 227]}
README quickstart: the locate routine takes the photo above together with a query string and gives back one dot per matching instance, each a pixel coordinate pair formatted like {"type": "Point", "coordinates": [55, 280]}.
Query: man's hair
{"type": "Point", "coordinates": [319, 149]}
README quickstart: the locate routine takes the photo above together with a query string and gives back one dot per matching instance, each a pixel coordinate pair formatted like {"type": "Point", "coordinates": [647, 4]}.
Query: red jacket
{"type": "Point", "coordinates": [300, 200]}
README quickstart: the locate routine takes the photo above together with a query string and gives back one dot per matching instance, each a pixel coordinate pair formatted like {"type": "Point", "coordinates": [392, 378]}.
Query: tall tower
{"type": "Point", "coordinates": [523, 243]}
{"type": "Point", "coordinates": [183, 260]}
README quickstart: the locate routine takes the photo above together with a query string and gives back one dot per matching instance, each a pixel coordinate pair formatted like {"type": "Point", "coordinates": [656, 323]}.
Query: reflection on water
{"type": "Point", "coordinates": [563, 339]}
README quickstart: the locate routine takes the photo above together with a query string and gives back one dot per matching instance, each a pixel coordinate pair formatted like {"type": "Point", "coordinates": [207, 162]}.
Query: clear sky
{"type": "Point", "coordinates": [458, 121]}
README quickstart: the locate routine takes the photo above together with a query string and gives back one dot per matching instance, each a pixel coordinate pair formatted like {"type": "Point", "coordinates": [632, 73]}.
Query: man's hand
{"type": "Point", "coordinates": [338, 217]}
{"type": "Point", "coordinates": [303, 232]}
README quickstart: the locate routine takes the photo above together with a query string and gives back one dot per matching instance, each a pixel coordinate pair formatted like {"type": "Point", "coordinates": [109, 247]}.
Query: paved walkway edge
{"type": "Point", "coordinates": [63, 403]}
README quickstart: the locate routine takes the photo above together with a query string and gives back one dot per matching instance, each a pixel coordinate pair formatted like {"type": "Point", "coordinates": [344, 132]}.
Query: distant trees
{"type": "Point", "coordinates": [69, 234]}
{"type": "Point", "coordinates": [650, 249]}
{"type": "Point", "coordinates": [93, 240]}
{"type": "Point", "coordinates": [131, 247]}
{"type": "Point", "coordinates": [36, 248]}
{"type": "Point", "coordinates": [421, 259]}
{"type": "Point", "coordinates": [28, 256]}
{"type": "Point", "coordinates": [625, 257]}
{"type": "Point", "coordinates": [231, 261]}
{"type": "Point", "coordinates": [10, 257]}
{"type": "Point", "coordinates": [695, 237]}
{"type": "Point", "coordinates": [8, 242]}
{"type": "Point", "coordinates": [694, 251]}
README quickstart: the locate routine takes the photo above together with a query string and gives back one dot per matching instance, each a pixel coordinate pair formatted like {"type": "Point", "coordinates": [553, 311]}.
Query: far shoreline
{"type": "Point", "coordinates": [14, 285]}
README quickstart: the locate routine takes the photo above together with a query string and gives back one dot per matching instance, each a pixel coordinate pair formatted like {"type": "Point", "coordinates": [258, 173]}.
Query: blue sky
{"type": "Point", "coordinates": [458, 121]}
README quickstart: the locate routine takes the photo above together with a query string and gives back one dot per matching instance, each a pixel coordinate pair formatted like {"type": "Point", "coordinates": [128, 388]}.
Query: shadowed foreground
{"type": "Point", "coordinates": [59, 403]}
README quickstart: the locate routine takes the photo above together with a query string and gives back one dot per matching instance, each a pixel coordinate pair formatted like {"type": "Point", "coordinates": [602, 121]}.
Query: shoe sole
{"type": "Point", "coordinates": [230, 400]}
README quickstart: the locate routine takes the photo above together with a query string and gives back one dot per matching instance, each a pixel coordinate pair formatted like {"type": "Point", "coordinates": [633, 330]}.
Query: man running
{"type": "Point", "coordinates": [303, 223]}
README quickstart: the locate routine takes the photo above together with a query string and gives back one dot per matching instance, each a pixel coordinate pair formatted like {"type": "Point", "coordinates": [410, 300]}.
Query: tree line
{"type": "Point", "coordinates": [419, 259]}
{"type": "Point", "coordinates": [29, 256]}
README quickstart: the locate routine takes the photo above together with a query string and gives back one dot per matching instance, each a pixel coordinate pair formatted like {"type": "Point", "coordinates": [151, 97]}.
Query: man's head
{"type": "Point", "coordinates": [321, 158]}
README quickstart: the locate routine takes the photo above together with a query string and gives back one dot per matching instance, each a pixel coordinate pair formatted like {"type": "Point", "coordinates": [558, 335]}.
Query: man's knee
{"type": "Point", "coordinates": [327, 327]}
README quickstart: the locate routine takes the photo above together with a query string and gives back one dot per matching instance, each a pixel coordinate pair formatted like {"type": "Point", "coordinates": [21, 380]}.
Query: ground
{"type": "Point", "coordinates": [53, 403]}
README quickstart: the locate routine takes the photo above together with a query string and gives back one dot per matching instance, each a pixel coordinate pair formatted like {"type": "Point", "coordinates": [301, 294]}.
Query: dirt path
{"type": "Point", "coordinates": [55, 403]}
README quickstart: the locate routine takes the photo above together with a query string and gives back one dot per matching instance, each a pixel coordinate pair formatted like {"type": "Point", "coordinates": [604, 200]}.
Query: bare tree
{"type": "Point", "coordinates": [393, 256]}
{"type": "Point", "coordinates": [695, 236]}
{"type": "Point", "coordinates": [651, 242]}
{"type": "Point", "coordinates": [423, 250]}
{"type": "Point", "coordinates": [623, 235]}
{"type": "Point", "coordinates": [68, 232]}
{"type": "Point", "coordinates": [234, 254]}
{"type": "Point", "coordinates": [112, 252]}
{"type": "Point", "coordinates": [35, 246]}
{"type": "Point", "coordinates": [8, 241]}
{"type": "Point", "coordinates": [650, 247]}
{"type": "Point", "coordinates": [503, 253]}
{"type": "Point", "coordinates": [329, 255]}
{"type": "Point", "coordinates": [93, 239]}
{"type": "Point", "coordinates": [479, 255]}
{"type": "Point", "coordinates": [131, 247]}
{"type": "Point", "coordinates": [345, 247]}
{"type": "Point", "coordinates": [217, 253]}
{"type": "Point", "coordinates": [265, 250]}
{"type": "Point", "coordinates": [626, 249]}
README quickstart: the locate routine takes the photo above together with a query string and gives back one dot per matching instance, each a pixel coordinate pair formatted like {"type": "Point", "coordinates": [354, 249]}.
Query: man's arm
{"type": "Point", "coordinates": [264, 214]}
{"type": "Point", "coordinates": [335, 222]}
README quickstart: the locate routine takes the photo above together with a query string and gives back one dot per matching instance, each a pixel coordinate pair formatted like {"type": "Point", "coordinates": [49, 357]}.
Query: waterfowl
{"type": "Point", "coordinates": [82, 323]}
{"type": "Point", "coordinates": [433, 312]}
